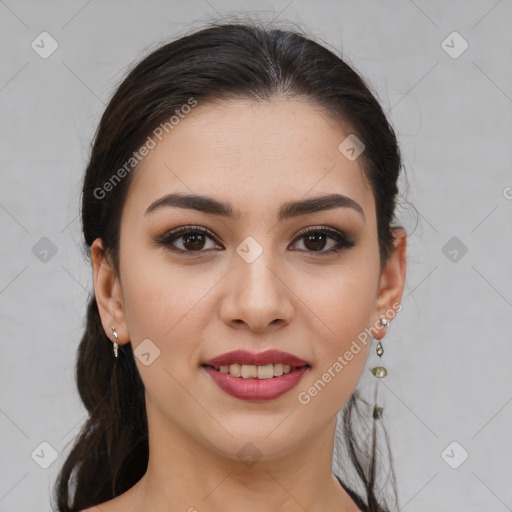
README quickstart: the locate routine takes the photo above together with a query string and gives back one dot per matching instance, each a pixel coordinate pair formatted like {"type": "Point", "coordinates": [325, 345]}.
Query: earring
{"type": "Point", "coordinates": [379, 372]}
{"type": "Point", "coordinates": [116, 346]}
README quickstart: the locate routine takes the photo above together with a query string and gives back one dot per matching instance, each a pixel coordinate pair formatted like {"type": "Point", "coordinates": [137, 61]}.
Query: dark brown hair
{"type": "Point", "coordinates": [220, 62]}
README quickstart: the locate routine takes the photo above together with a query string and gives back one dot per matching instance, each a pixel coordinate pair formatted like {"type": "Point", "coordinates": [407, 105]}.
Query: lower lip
{"type": "Point", "coordinates": [256, 390]}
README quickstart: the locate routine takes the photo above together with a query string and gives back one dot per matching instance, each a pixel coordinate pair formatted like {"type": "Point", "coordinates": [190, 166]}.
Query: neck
{"type": "Point", "coordinates": [186, 474]}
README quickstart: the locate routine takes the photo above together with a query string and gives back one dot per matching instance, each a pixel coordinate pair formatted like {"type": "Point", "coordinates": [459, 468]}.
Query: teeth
{"type": "Point", "coordinates": [265, 372]}
{"type": "Point", "coordinates": [278, 370]}
{"type": "Point", "coordinates": [250, 371]}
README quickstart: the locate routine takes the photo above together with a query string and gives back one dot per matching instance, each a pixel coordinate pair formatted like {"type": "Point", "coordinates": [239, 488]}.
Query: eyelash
{"type": "Point", "coordinates": [167, 238]}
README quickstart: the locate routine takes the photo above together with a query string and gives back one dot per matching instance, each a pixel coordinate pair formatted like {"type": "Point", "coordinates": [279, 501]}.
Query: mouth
{"type": "Point", "coordinates": [256, 377]}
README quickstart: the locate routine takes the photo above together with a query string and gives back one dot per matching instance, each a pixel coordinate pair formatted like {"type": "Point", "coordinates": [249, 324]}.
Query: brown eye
{"type": "Point", "coordinates": [315, 240]}
{"type": "Point", "coordinates": [191, 239]}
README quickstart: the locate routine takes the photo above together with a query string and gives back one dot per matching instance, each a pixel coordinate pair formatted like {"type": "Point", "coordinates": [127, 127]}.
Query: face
{"type": "Point", "coordinates": [194, 285]}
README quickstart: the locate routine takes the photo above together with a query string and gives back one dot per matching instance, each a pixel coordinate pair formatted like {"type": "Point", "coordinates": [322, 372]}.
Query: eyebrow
{"type": "Point", "coordinates": [288, 210]}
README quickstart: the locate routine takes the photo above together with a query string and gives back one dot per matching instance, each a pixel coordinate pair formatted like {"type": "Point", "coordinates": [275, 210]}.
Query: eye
{"type": "Point", "coordinates": [192, 238]}
{"type": "Point", "coordinates": [315, 239]}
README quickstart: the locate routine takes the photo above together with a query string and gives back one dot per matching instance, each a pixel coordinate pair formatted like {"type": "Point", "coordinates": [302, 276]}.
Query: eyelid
{"type": "Point", "coordinates": [165, 238]}
{"type": "Point", "coordinates": [322, 229]}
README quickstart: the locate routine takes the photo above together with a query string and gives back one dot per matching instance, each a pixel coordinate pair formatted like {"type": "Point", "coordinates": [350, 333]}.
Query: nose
{"type": "Point", "coordinates": [256, 297]}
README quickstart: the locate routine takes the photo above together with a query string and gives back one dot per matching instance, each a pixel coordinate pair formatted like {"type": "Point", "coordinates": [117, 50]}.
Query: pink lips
{"type": "Point", "coordinates": [255, 389]}
{"type": "Point", "coordinates": [260, 359]}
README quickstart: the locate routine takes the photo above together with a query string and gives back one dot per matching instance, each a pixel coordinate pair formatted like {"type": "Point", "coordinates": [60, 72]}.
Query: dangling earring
{"type": "Point", "coordinates": [116, 346]}
{"type": "Point", "coordinates": [379, 372]}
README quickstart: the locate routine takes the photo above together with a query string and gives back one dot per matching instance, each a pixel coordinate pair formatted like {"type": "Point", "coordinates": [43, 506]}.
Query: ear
{"type": "Point", "coordinates": [392, 280]}
{"type": "Point", "coordinates": [107, 289]}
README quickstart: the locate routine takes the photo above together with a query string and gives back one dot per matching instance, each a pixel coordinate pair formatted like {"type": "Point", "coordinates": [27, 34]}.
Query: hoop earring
{"type": "Point", "coordinates": [114, 343]}
{"type": "Point", "coordinates": [379, 372]}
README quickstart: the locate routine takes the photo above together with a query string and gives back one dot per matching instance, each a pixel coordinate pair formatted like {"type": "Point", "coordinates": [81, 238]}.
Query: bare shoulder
{"type": "Point", "coordinates": [118, 504]}
{"type": "Point", "coordinates": [123, 503]}
{"type": "Point", "coordinates": [104, 507]}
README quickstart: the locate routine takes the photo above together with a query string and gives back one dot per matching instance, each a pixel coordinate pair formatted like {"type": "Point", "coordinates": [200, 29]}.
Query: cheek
{"type": "Point", "coordinates": [342, 309]}
{"type": "Point", "coordinates": [341, 352]}
{"type": "Point", "coordinates": [342, 302]}
{"type": "Point", "coordinates": [157, 296]}
{"type": "Point", "coordinates": [163, 304]}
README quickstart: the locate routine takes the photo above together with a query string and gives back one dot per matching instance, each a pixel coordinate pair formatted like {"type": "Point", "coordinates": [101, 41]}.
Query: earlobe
{"type": "Point", "coordinates": [107, 289]}
{"type": "Point", "coordinates": [392, 278]}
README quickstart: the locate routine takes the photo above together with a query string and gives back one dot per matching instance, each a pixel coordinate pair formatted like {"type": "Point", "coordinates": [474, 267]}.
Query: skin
{"type": "Point", "coordinates": [197, 305]}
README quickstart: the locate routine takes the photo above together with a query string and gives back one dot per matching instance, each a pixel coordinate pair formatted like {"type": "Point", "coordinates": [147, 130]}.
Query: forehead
{"type": "Point", "coordinates": [251, 154]}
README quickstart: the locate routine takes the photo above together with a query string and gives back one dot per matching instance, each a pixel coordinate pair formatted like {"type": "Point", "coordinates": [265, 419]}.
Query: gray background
{"type": "Point", "coordinates": [448, 352]}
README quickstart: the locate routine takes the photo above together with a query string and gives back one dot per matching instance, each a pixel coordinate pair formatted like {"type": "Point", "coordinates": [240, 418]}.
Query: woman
{"type": "Point", "coordinates": [238, 208]}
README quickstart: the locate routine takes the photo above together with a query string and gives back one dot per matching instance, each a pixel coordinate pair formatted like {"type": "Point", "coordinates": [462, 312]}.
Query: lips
{"type": "Point", "coordinates": [257, 359]}
{"type": "Point", "coordinates": [256, 390]}
{"type": "Point", "coordinates": [248, 376]}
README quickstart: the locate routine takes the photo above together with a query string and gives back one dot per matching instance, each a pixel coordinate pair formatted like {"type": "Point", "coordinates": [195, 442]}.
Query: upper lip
{"type": "Point", "coordinates": [257, 359]}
